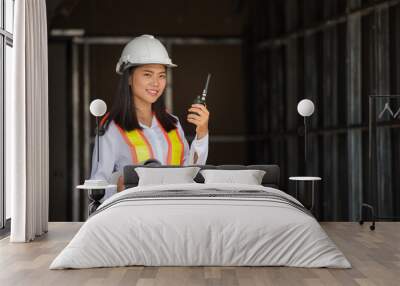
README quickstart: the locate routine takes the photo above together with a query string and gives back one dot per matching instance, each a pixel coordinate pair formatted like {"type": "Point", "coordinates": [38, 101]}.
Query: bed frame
{"type": "Point", "coordinates": [270, 179]}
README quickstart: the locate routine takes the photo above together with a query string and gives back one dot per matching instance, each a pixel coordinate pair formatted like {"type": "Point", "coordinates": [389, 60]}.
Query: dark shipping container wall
{"type": "Point", "coordinates": [325, 51]}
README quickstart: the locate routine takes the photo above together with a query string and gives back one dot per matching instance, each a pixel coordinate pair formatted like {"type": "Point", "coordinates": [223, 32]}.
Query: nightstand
{"type": "Point", "coordinates": [95, 194]}
{"type": "Point", "coordinates": [313, 180]}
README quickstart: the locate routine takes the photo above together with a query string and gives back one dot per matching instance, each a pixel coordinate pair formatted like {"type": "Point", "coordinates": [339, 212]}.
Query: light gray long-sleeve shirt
{"type": "Point", "coordinates": [115, 153]}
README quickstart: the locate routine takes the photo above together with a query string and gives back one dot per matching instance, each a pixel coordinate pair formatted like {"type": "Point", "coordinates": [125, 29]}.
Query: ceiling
{"type": "Point", "coordinates": [163, 18]}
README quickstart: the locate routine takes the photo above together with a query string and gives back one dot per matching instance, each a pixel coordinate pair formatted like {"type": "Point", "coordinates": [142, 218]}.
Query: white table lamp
{"type": "Point", "coordinates": [98, 108]}
{"type": "Point", "coordinates": [305, 108]}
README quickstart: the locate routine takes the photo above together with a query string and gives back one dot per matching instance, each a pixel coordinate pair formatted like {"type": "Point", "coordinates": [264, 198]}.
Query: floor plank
{"type": "Point", "coordinates": [375, 257]}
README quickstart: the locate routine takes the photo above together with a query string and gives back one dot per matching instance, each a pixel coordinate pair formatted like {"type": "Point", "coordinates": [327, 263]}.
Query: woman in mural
{"type": "Point", "coordinates": [138, 126]}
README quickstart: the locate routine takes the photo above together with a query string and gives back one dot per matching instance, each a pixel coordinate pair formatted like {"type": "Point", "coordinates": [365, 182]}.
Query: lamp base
{"type": "Point", "coordinates": [95, 195]}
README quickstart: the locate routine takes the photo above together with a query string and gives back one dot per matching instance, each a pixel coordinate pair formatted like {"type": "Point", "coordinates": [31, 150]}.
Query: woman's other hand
{"type": "Point", "coordinates": [200, 119]}
{"type": "Point", "coordinates": [120, 184]}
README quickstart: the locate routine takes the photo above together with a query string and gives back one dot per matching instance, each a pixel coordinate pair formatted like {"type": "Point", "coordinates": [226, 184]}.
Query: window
{"type": "Point", "coordinates": [6, 63]}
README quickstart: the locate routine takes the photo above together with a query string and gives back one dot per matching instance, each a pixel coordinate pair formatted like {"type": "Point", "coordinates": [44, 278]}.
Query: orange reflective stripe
{"type": "Point", "coordinates": [147, 143]}
{"type": "Point", "coordinates": [169, 144]}
{"type": "Point", "coordinates": [103, 120]}
{"type": "Point", "coordinates": [182, 145]}
{"type": "Point", "coordinates": [138, 144]}
{"type": "Point", "coordinates": [175, 146]}
{"type": "Point", "coordinates": [127, 141]}
{"type": "Point", "coordinates": [142, 146]}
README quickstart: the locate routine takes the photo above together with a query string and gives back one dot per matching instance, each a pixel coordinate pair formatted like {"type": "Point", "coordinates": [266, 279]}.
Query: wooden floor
{"type": "Point", "coordinates": [375, 257]}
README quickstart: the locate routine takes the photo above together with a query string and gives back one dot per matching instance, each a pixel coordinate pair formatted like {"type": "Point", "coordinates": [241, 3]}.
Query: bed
{"type": "Point", "coordinates": [201, 224]}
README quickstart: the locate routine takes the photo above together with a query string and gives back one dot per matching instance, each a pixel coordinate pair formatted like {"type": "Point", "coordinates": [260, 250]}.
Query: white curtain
{"type": "Point", "coordinates": [27, 143]}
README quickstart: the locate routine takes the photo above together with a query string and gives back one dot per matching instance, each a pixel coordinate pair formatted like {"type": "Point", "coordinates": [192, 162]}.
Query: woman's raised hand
{"type": "Point", "coordinates": [200, 119]}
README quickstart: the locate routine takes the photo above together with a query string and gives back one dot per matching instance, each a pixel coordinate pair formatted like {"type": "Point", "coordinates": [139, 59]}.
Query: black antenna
{"type": "Point", "coordinates": [207, 83]}
{"type": "Point", "coordinates": [205, 90]}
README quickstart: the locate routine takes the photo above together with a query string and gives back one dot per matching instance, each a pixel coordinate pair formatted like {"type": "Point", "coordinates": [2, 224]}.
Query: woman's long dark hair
{"type": "Point", "coordinates": [123, 109]}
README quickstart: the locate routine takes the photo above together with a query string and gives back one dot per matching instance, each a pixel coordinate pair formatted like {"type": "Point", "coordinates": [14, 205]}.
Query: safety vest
{"type": "Point", "coordinates": [141, 150]}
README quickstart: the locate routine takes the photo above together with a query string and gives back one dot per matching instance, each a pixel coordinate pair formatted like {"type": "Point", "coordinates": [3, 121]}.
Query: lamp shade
{"type": "Point", "coordinates": [305, 107]}
{"type": "Point", "coordinates": [98, 107]}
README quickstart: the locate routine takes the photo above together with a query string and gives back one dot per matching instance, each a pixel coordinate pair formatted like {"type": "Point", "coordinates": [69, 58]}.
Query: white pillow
{"type": "Point", "coordinates": [249, 177]}
{"type": "Point", "coordinates": [162, 176]}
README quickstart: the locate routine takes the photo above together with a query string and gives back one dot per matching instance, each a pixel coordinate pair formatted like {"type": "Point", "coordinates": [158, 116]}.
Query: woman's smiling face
{"type": "Point", "coordinates": [148, 82]}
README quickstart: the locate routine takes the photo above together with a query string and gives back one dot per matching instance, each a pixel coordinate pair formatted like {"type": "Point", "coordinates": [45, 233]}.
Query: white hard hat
{"type": "Point", "coordinates": [142, 50]}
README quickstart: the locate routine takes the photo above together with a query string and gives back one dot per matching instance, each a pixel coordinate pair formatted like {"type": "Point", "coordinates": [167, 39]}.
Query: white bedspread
{"type": "Point", "coordinates": [200, 231]}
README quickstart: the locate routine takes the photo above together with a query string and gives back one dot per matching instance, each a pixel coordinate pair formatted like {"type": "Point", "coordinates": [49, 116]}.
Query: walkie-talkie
{"type": "Point", "coordinates": [201, 99]}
